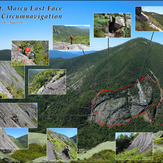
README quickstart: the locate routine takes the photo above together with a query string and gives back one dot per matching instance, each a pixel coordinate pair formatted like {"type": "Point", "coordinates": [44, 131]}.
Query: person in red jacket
{"type": "Point", "coordinates": [71, 38]}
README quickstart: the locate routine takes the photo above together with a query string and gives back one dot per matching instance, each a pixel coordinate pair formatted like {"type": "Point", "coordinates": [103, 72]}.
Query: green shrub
{"type": "Point", "coordinates": [159, 141]}
{"type": "Point", "coordinates": [3, 96]}
{"type": "Point", "coordinates": [26, 124]}
{"type": "Point", "coordinates": [135, 154]}
{"type": "Point", "coordinates": [34, 151]}
{"type": "Point", "coordinates": [143, 26]}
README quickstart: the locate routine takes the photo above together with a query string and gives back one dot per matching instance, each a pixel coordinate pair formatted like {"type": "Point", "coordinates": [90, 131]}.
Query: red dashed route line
{"type": "Point", "coordinates": [136, 115]}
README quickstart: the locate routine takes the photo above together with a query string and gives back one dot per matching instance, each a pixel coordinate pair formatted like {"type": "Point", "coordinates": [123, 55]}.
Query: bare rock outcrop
{"type": "Point", "coordinates": [5, 141]}
{"type": "Point", "coordinates": [18, 57]}
{"type": "Point", "coordinates": [68, 46]}
{"type": "Point", "coordinates": [54, 87]}
{"type": "Point", "coordinates": [143, 140]}
{"type": "Point", "coordinates": [8, 77]}
{"type": "Point", "coordinates": [120, 106]}
{"type": "Point", "coordinates": [27, 114]}
{"type": "Point", "coordinates": [139, 16]}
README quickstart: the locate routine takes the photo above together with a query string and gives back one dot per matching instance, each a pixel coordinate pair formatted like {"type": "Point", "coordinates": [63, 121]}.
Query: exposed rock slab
{"type": "Point", "coordinates": [68, 46]}
{"type": "Point", "coordinates": [50, 154]}
{"type": "Point", "coordinates": [4, 91]}
{"type": "Point", "coordinates": [18, 57]}
{"type": "Point", "coordinates": [143, 140]}
{"type": "Point", "coordinates": [54, 87]}
{"type": "Point", "coordinates": [119, 107]}
{"type": "Point", "coordinates": [25, 115]}
{"type": "Point", "coordinates": [5, 141]}
{"type": "Point", "coordinates": [9, 76]}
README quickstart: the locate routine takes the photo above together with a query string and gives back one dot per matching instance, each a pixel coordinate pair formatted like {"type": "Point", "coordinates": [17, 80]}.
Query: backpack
{"type": "Point", "coordinates": [71, 37]}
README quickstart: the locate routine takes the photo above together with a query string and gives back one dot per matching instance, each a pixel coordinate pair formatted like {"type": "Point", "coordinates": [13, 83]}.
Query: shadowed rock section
{"type": "Point", "coordinates": [27, 115]}
{"type": "Point", "coordinates": [143, 140]}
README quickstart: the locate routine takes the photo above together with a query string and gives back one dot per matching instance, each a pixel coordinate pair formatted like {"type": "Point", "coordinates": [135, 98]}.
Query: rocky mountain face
{"type": "Point", "coordinates": [9, 78]}
{"type": "Point", "coordinates": [143, 140]}
{"type": "Point", "coordinates": [116, 107]}
{"type": "Point", "coordinates": [18, 57]}
{"type": "Point", "coordinates": [27, 115]}
{"type": "Point", "coordinates": [5, 141]}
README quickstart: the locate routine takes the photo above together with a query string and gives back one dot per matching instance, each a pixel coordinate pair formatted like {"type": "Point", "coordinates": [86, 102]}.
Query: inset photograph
{"type": "Point", "coordinates": [61, 144]}
{"type": "Point", "coordinates": [12, 84]}
{"type": "Point", "coordinates": [149, 18]}
{"type": "Point", "coordinates": [134, 146]}
{"type": "Point", "coordinates": [30, 53]}
{"type": "Point", "coordinates": [74, 37]}
{"type": "Point", "coordinates": [158, 142]}
{"type": "Point", "coordinates": [112, 25]}
{"type": "Point", "coordinates": [35, 153]}
{"type": "Point", "coordinates": [18, 115]}
{"type": "Point", "coordinates": [13, 138]}
{"type": "Point", "coordinates": [47, 81]}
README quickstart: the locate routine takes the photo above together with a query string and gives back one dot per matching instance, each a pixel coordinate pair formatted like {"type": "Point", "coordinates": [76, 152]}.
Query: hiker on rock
{"type": "Point", "coordinates": [66, 150]}
{"type": "Point", "coordinates": [14, 117]}
{"type": "Point", "coordinates": [11, 92]}
{"type": "Point", "coordinates": [29, 52]}
{"type": "Point", "coordinates": [71, 38]}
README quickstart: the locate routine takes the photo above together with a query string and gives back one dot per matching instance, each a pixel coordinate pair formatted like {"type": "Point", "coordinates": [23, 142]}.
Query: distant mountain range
{"type": "Point", "coordinates": [5, 55]}
{"type": "Point", "coordinates": [67, 55]}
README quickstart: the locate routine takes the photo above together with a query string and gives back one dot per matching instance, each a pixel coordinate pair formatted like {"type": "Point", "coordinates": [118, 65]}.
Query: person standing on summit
{"type": "Point", "coordinates": [71, 38]}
